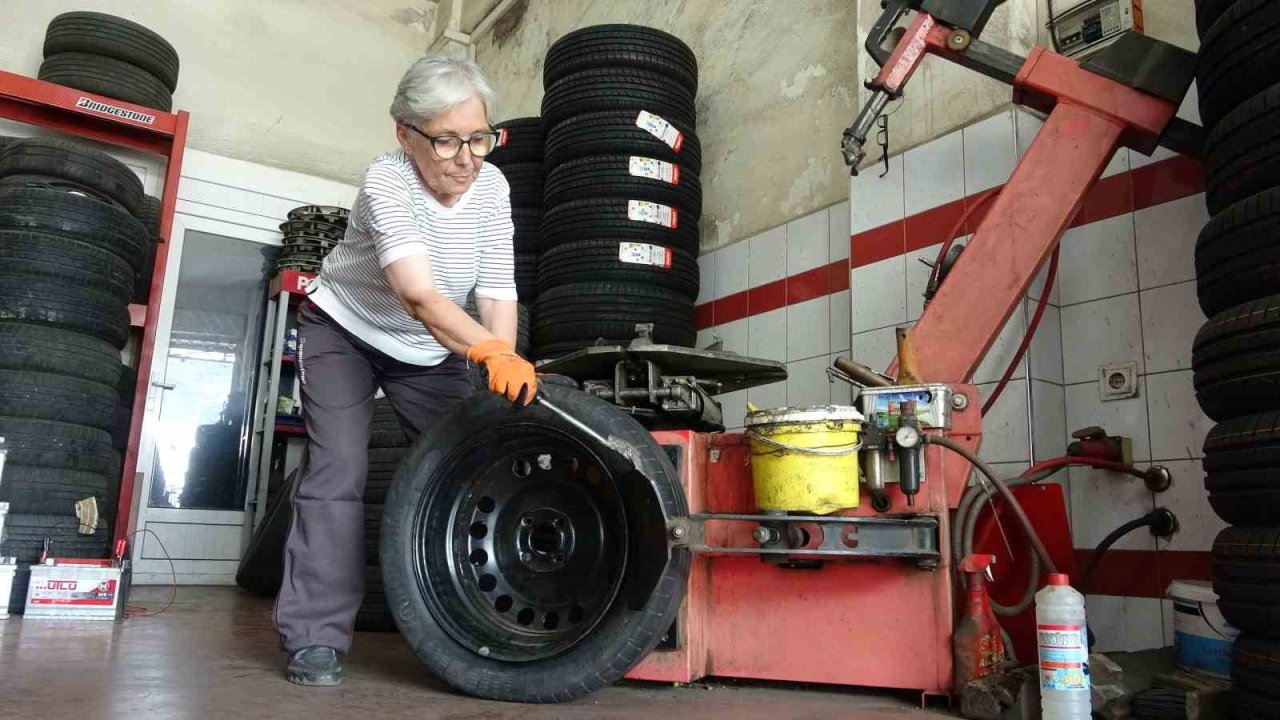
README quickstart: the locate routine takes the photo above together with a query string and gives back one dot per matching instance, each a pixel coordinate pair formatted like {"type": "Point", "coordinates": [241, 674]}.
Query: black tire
{"type": "Point", "coordinates": [1243, 152]}
{"type": "Point", "coordinates": [45, 349]}
{"type": "Point", "coordinates": [388, 435]}
{"type": "Point", "coordinates": [374, 614]}
{"type": "Point", "coordinates": [523, 326]}
{"type": "Point", "coordinates": [70, 261]}
{"type": "Point", "coordinates": [77, 163]}
{"type": "Point", "coordinates": [1237, 254]}
{"type": "Point", "coordinates": [48, 182]}
{"type": "Point", "coordinates": [1208, 12]}
{"type": "Point", "coordinates": [526, 275]}
{"type": "Point", "coordinates": [141, 294]}
{"type": "Point", "coordinates": [617, 89]}
{"type": "Point", "coordinates": [528, 228]}
{"type": "Point", "coordinates": [107, 77]}
{"type": "Point", "coordinates": [596, 218]}
{"type": "Point", "coordinates": [262, 565]}
{"type": "Point", "coordinates": [149, 211]}
{"type": "Point", "coordinates": [55, 492]}
{"type": "Point", "coordinates": [599, 261]}
{"type": "Point", "coordinates": [519, 141]}
{"type": "Point", "coordinates": [372, 532]}
{"type": "Point", "coordinates": [1247, 705]}
{"type": "Point", "coordinates": [585, 311]}
{"type": "Point", "coordinates": [25, 535]}
{"type": "Point", "coordinates": [46, 396]}
{"type": "Point", "coordinates": [58, 446]}
{"type": "Point", "coordinates": [115, 37]}
{"type": "Point", "coordinates": [621, 45]}
{"type": "Point", "coordinates": [77, 218]}
{"type": "Point", "coordinates": [1255, 666]}
{"type": "Point", "coordinates": [1236, 360]}
{"type": "Point", "coordinates": [1246, 574]}
{"type": "Point", "coordinates": [526, 181]}
{"type": "Point", "coordinates": [55, 304]}
{"type": "Point", "coordinates": [1239, 57]}
{"type": "Point", "coordinates": [1242, 466]}
{"type": "Point", "coordinates": [613, 176]}
{"type": "Point", "coordinates": [616, 132]}
{"type": "Point", "coordinates": [21, 582]}
{"type": "Point", "coordinates": [615, 643]}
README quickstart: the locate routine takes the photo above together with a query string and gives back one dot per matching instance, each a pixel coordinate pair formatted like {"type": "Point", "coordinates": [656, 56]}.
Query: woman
{"type": "Point", "coordinates": [432, 222]}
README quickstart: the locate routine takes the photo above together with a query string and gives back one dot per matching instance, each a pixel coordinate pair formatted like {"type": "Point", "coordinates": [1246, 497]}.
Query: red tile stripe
{"type": "Point", "coordinates": [1139, 189]}
{"type": "Point", "coordinates": [1144, 573]}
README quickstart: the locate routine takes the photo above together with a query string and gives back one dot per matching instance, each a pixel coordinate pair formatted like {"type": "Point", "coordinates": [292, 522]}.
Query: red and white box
{"type": "Point", "coordinates": [69, 589]}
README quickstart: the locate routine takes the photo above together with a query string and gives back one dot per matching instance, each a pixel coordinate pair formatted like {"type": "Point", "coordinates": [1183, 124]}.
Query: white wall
{"type": "Point", "coordinates": [296, 84]}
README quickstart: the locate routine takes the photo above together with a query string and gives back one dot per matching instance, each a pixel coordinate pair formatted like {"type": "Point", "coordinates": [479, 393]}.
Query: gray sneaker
{"type": "Point", "coordinates": [315, 666]}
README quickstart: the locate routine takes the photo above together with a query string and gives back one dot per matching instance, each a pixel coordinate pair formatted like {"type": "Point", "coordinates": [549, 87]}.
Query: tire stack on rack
{"type": "Point", "coordinates": [70, 253]}
{"type": "Point", "coordinates": [1236, 355]}
{"type": "Point", "coordinates": [311, 232]}
{"type": "Point", "coordinates": [622, 202]}
{"type": "Point", "coordinates": [519, 157]}
{"type": "Point", "coordinates": [110, 56]}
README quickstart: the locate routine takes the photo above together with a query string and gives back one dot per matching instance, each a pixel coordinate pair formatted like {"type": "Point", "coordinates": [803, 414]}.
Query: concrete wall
{"type": "Point", "coordinates": [777, 87]}
{"type": "Point", "coordinates": [302, 85]}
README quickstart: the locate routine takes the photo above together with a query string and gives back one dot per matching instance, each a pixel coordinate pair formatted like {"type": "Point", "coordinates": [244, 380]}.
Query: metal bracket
{"type": "Point", "coordinates": [911, 538]}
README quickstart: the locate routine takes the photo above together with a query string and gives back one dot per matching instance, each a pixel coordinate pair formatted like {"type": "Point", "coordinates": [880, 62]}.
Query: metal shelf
{"type": "Point", "coordinates": [95, 117]}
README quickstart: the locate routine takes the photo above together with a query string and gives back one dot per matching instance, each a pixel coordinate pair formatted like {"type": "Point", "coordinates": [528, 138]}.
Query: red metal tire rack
{"type": "Point", "coordinates": [104, 119]}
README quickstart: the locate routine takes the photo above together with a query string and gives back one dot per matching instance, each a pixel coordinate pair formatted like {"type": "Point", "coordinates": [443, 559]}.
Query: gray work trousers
{"type": "Point", "coordinates": [324, 554]}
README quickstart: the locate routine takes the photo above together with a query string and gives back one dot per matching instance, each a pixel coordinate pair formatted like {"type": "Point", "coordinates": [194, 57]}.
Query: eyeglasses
{"type": "Point", "coordinates": [448, 146]}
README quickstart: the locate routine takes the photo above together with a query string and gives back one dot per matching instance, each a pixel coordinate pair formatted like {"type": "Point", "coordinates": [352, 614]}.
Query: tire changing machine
{"type": "Point", "coordinates": [866, 596]}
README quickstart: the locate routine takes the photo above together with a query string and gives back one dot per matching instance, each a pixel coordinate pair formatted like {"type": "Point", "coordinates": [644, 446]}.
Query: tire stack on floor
{"type": "Point", "coordinates": [519, 157]}
{"type": "Point", "coordinates": [622, 202]}
{"type": "Point", "coordinates": [110, 56]}
{"type": "Point", "coordinates": [70, 254]}
{"type": "Point", "coordinates": [1236, 355]}
{"type": "Point", "coordinates": [388, 445]}
{"type": "Point", "coordinates": [311, 232]}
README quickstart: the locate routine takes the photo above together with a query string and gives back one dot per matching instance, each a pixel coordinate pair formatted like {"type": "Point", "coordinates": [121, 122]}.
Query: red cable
{"type": "Point", "coordinates": [1098, 463]}
{"type": "Point", "coordinates": [982, 199]}
{"type": "Point", "coordinates": [1026, 338]}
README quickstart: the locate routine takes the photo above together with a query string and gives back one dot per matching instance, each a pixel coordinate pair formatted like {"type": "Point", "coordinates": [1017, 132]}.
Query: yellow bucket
{"type": "Point", "coordinates": [805, 459]}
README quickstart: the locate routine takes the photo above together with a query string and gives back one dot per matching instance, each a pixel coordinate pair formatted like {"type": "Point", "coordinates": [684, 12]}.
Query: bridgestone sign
{"type": "Point", "coordinates": [104, 109]}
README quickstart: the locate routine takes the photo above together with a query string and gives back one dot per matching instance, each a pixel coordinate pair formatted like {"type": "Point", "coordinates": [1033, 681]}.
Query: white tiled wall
{"type": "Point", "coordinates": [807, 336]}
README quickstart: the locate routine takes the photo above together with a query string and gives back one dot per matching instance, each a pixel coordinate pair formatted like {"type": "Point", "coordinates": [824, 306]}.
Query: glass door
{"type": "Point", "coordinates": [196, 445]}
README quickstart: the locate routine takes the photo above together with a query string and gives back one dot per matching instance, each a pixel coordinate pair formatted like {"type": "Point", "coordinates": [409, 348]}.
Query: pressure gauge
{"type": "Point", "coordinates": [907, 436]}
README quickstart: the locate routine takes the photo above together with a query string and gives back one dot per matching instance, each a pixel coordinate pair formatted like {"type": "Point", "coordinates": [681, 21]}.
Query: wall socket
{"type": "Point", "coordinates": [1118, 381]}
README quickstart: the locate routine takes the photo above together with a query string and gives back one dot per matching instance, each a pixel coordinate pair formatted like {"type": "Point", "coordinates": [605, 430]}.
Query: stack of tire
{"type": "Point", "coordinates": [519, 156]}
{"type": "Point", "coordinates": [1236, 355]}
{"type": "Point", "coordinates": [70, 257]}
{"type": "Point", "coordinates": [622, 201]}
{"type": "Point", "coordinates": [388, 445]}
{"type": "Point", "coordinates": [110, 56]}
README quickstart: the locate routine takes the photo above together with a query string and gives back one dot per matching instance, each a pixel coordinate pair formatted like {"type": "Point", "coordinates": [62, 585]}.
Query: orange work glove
{"type": "Point", "coordinates": [509, 374]}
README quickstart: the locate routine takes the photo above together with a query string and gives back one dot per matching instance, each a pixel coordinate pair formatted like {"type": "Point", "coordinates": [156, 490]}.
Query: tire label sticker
{"type": "Point", "coordinates": [655, 169]}
{"type": "Point", "coordinates": [91, 105]}
{"type": "Point", "coordinates": [1064, 657]}
{"type": "Point", "coordinates": [656, 126]}
{"type": "Point", "coordinates": [503, 136]}
{"type": "Point", "coordinates": [642, 254]}
{"type": "Point", "coordinates": [651, 212]}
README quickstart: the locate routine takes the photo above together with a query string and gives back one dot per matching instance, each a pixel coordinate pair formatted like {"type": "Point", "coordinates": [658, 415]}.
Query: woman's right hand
{"type": "Point", "coordinates": [509, 374]}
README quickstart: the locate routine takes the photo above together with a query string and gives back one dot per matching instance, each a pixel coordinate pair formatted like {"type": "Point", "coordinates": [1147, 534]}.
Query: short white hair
{"type": "Point", "coordinates": [433, 84]}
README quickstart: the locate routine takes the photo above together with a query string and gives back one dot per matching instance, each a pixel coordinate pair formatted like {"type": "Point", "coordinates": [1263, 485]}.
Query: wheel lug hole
{"type": "Point", "coordinates": [525, 557]}
{"type": "Point", "coordinates": [526, 521]}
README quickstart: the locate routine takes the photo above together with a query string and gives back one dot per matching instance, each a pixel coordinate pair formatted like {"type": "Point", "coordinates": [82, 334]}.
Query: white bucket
{"type": "Point", "coordinates": [1202, 639]}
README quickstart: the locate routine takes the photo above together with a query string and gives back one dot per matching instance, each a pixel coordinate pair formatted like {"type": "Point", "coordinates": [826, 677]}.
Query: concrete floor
{"type": "Point", "coordinates": [214, 654]}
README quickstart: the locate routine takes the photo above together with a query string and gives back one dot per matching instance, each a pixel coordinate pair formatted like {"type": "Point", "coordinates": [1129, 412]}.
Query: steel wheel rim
{"type": "Point", "coordinates": [524, 559]}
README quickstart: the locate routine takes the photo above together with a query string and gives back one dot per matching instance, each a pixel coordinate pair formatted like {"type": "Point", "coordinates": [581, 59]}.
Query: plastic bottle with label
{"type": "Point", "coordinates": [1063, 642]}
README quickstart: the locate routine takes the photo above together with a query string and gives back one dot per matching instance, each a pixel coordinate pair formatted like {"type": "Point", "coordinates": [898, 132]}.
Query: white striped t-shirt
{"type": "Point", "coordinates": [468, 244]}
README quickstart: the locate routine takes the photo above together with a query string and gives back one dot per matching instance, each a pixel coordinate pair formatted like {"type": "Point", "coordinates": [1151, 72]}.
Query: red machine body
{"type": "Point", "coordinates": [888, 623]}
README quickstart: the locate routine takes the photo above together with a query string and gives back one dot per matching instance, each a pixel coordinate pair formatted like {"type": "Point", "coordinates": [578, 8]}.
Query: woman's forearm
{"type": "Point", "coordinates": [500, 317]}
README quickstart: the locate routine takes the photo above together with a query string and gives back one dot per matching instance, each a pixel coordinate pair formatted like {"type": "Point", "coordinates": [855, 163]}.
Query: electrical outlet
{"type": "Point", "coordinates": [1118, 381]}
